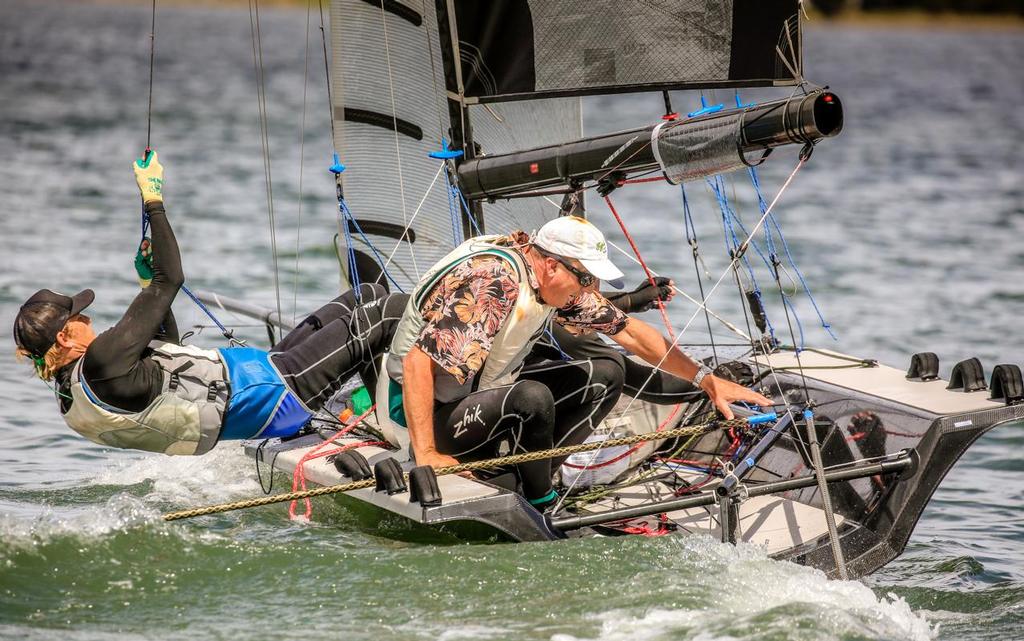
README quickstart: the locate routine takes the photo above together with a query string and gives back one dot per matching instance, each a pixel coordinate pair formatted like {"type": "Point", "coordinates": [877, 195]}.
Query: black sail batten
{"type": "Point", "coordinates": [531, 49]}
{"type": "Point", "coordinates": [397, 8]}
{"type": "Point", "coordinates": [381, 228]}
{"type": "Point", "coordinates": [383, 120]}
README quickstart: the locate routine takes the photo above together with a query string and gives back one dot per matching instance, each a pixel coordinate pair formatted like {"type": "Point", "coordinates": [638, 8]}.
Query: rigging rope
{"type": "Point", "coordinates": [711, 292]}
{"type": "Point", "coordinates": [647, 271]}
{"type": "Point", "coordinates": [228, 334]}
{"type": "Point", "coordinates": [394, 121]}
{"type": "Point", "coordinates": [302, 160]}
{"type": "Point", "coordinates": [152, 57]}
{"type": "Point", "coordinates": [261, 100]}
{"type": "Point", "coordinates": [691, 239]}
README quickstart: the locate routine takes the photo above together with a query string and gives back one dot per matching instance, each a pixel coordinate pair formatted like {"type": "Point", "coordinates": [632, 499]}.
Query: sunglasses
{"type": "Point", "coordinates": [585, 279]}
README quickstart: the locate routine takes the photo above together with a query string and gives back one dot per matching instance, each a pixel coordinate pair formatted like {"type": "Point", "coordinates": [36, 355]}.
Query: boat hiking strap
{"type": "Point", "coordinates": [515, 459]}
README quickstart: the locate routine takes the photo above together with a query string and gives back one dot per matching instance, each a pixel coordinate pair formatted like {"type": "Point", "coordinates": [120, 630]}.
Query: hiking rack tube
{"type": "Point", "coordinates": [731, 481]}
{"type": "Point", "coordinates": [901, 462]}
{"type": "Point", "coordinates": [800, 119]}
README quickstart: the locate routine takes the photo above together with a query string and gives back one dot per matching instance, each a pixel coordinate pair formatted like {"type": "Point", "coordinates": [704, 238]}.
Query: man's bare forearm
{"type": "Point", "coordinates": [646, 342]}
{"type": "Point", "coordinates": [418, 401]}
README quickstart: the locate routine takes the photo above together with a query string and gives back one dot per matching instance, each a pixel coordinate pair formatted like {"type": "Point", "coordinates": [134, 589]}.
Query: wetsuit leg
{"type": "Point", "coordinates": [662, 388]}
{"type": "Point", "coordinates": [584, 392]}
{"type": "Point", "coordinates": [316, 366]}
{"type": "Point", "coordinates": [340, 307]}
{"type": "Point", "coordinates": [521, 414]}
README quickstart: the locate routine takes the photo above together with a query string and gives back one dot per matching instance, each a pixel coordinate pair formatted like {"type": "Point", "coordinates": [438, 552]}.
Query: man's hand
{"type": "Point", "coordinates": [144, 263]}
{"type": "Point", "coordinates": [435, 459]}
{"type": "Point", "coordinates": [647, 295]}
{"type": "Point", "coordinates": [149, 174]}
{"type": "Point", "coordinates": [722, 392]}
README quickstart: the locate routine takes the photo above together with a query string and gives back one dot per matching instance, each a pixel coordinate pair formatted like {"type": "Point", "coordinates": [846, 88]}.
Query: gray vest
{"type": "Point", "coordinates": [184, 419]}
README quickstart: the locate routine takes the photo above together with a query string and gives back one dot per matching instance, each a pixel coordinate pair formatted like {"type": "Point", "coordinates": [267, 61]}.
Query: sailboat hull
{"type": "Point", "coordinates": [866, 413]}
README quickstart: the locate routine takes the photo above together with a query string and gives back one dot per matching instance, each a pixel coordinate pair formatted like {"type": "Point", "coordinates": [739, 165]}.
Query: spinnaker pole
{"type": "Point", "coordinates": [702, 145]}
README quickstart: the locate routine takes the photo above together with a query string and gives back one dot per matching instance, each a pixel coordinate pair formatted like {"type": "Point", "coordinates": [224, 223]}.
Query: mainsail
{"type": "Point", "coordinates": [390, 109]}
{"type": "Point", "coordinates": [517, 49]}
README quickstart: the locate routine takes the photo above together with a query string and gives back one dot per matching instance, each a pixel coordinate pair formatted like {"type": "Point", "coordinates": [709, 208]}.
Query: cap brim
{"type": "Point", "coordinates": [81, 300]}
{"type": "Point", "coordinates": [605, 270]}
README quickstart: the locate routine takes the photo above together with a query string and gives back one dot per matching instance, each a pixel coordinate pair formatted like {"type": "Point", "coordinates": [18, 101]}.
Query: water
{"type": "Point", "coordinates": [906, 227]}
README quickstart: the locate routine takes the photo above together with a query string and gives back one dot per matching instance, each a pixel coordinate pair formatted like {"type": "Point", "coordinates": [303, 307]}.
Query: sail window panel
{"type": "Point", "coordinates": [525, 49]}
{"type": "Point", "coordinates": [387, 172]}
{"type": "Point", "coordinates": [513, 126]}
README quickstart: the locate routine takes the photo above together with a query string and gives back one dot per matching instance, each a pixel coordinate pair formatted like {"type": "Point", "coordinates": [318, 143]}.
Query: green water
{"type": "Point", "coordinates": [907, 227]}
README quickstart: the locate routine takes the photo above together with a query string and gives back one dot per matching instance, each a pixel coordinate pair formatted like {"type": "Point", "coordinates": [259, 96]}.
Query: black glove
{"type": "Point", "coordinates": [644, 297]}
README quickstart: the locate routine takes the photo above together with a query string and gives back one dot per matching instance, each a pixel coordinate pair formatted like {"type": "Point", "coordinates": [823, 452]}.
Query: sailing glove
{"type": "Point", "coordinates": [644, 297]}
{"type": "Point", "coordinates": [144, 263]}
{"type": "Point", "coordinates": [149, 174]}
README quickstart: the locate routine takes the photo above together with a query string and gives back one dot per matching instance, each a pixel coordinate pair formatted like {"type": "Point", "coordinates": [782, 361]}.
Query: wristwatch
{"type": "Point", "coordinates": [703, 371]}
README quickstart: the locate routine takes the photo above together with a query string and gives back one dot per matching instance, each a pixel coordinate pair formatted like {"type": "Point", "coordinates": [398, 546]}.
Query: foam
{"type": "Point", "coordinates": [740, 593]}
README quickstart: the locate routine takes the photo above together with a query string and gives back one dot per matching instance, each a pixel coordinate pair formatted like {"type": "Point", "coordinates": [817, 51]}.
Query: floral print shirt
{"type": "Point", "coordinates": [468, 306]}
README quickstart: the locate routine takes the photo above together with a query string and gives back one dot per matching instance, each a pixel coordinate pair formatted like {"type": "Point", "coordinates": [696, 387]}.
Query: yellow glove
{"type": "Point", "coordinates": [149, 174]}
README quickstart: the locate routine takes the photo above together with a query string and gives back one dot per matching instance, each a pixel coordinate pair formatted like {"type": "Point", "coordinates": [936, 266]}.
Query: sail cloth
{"type": "Point", "coordinates": [526, 49]}
{"type": "Point", "coordinates": [390, 109]}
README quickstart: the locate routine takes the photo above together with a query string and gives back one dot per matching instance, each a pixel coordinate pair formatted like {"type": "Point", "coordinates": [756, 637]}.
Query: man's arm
{"type": "Point", "coordinates": [418, 403]}
{"type": "Point", "coordinates": [646, 342]}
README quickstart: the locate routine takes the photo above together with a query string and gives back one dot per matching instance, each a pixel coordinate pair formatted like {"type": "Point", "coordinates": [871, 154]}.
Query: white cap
{"type": "Point", "coordinates": [574, 237]}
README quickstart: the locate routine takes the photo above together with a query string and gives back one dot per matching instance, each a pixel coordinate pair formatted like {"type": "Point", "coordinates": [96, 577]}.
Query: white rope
{"type": "Point", "coordinates": [302, 158]}
{"type": "Point", "coordinates": [693, 300]}
{"type": "Point", "coordinates": [711, 292]}
{"type": "Point", "coordinates": [261, 100]}
{"type": "Point", "coordinates": [409, 224]}
{"type": "Point", "coordinates": [394, 122]}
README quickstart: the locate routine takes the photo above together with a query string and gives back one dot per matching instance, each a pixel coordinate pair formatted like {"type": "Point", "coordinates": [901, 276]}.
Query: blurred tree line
{"type": "Point", "coordinates": [832, 7]}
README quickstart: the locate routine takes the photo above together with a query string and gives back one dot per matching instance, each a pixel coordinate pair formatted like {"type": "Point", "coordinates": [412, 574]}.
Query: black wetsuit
{"type": "Point", "coordinates": [115, 364]}
{"type": "Point", "coordinates": [346, 333]}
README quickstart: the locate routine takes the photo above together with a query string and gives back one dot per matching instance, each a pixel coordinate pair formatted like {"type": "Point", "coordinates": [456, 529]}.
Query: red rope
{"type": "Point", "coordinates": [650, 276]}
{"type": "Point", "coordinates": [628, 452]}
{"type": "Point", "coordinates": [634, 181]}
{"type": "Point", "coordinates": [299, 475]}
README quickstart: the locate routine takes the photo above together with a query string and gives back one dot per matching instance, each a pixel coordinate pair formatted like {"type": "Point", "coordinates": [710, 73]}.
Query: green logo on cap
{"type": "Point", "coordinates": [601, 247]}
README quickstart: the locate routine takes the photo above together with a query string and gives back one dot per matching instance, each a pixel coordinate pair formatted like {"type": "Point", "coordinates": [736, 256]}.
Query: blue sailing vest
{"type": "Point", "coordinates": [260, 405]}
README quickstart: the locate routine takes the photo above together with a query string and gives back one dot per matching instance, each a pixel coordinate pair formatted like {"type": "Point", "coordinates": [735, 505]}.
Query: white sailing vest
{"type": "Point", "coordinates": [185, 419]}
{"type": "Point", "coordinates": [521, 329]}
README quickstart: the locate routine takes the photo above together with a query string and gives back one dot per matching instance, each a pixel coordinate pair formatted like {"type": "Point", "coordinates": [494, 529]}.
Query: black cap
{"type": "Point", "coordinates": [42, 317]}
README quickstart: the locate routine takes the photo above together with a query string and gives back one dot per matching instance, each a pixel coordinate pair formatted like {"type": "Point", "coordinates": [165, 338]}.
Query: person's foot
{"type": "Point", "coordinates": [545, 502]}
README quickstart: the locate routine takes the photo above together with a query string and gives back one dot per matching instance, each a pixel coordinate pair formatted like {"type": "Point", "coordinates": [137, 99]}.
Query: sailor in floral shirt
{"type": "Point", "coordinates": [550, 403]}
{"type": "Point", "coordinates": [467, 308]}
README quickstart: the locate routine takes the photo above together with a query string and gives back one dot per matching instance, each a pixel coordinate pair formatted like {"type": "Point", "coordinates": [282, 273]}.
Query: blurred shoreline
{"type": "Point", "coordinates": [888, 19]}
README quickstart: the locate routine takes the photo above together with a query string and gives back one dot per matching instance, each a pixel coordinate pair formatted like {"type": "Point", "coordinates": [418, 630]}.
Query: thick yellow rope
{"type": "Point", "coordinates": [526, 457]}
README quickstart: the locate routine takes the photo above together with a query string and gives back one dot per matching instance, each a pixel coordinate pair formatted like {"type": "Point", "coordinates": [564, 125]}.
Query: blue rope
{"type": "Point", "coordinates": [348, 217]}
{"type": "Point", "coordinates": [772, 222]}
{"type": "Point", "coordinates": [554, 341]}
{"type": "Point", "coordinates": [353, 269]}
{"type": "Point", "coordinates": [206, 310]}
{"type": "Point", "coordinates": [469, 212]}
{"type": "Point", "coordinates": [730, 220]}
{"type": "Point", "coordinates": [453, 210]}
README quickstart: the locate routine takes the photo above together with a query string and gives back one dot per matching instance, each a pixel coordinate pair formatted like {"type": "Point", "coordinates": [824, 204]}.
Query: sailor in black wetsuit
{"type": "Point", "coordinates": [134, 386]}
{"type": "Point", "coordinates": [639, 380]}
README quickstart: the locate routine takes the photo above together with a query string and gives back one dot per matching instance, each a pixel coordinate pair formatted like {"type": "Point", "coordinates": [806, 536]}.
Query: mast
{"type": "Point", "coordinates": [461, 124]}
